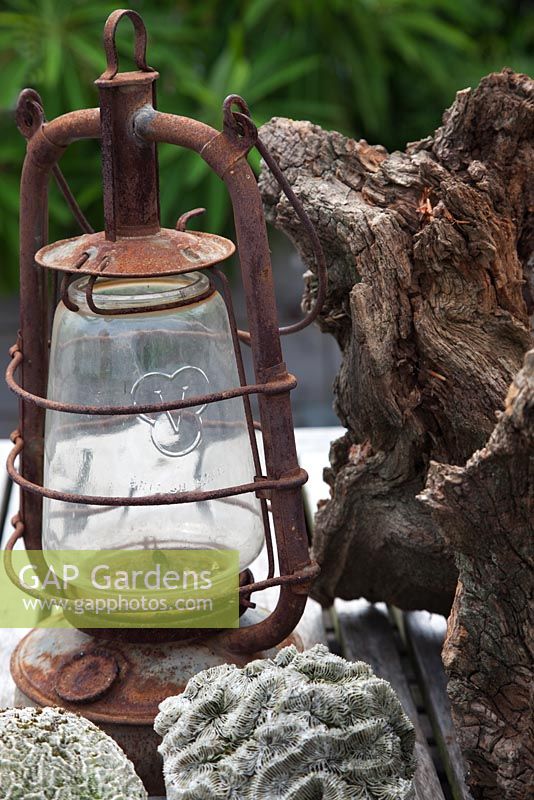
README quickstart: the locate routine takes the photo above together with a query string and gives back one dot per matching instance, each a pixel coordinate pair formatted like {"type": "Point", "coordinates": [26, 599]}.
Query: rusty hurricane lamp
{"type": "Point", "coordinates": [136, 425]}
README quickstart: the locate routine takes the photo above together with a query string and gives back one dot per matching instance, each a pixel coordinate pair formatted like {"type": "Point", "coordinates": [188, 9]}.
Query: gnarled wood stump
{"type": "Point", "coordinates": [431, 282]}
{"type": "Point", "coordinates": [427, 256]}
{"type": "Point", "coordinates": [485, 511]}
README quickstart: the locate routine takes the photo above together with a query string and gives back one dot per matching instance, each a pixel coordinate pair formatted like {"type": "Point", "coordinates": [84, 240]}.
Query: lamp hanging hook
{"type": "Point", "coordinates": [110, 46]}
{"type": "Point", "coordinates": [239, 124]}
{"type": "Point", "coordinates": [29, 113]}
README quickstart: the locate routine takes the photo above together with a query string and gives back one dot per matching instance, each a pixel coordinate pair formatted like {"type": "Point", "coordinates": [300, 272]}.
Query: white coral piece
{"type": "Point", "coordinates": [302, 726]}
{"type": "Point", "coordinates": [51, 754]}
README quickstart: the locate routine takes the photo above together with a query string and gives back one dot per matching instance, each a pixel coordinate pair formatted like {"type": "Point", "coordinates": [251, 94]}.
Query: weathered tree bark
{"type": "Point", "coordinates": [485, 511]}
{"type": "Point", "coordinates": [428, 255]}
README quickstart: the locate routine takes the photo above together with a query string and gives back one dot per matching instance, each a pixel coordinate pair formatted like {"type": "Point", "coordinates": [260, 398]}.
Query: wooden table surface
{"type": "Point", "coordinates": [404, 648]}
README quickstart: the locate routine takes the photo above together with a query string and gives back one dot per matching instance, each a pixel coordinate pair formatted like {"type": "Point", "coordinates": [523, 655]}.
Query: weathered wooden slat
{"type": "Point", "coordinates": [5, 487]}
{"type": "Point", "coordinates": [11, 507]}
{"type": "Point", "coordinates": [313, 446]}
{"type": "Point", "coordinates": [9, 638]}
{"type": "Point", "coordinates": [365, 634]}
{"type": "Point", "coordinates": [424, 636]}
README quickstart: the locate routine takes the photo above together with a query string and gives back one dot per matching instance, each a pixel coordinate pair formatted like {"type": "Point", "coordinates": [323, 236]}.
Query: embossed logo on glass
{"type": "Point", "coordinates": [179, 432]}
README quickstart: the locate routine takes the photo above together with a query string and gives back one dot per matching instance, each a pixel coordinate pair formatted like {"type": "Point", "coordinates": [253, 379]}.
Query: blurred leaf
{"type": "Point", "coordinates": [12, 75]}
{"type": "Point", "coordinates": [256, 11]}
{"type": "Point", "coordinates": [281, 77]}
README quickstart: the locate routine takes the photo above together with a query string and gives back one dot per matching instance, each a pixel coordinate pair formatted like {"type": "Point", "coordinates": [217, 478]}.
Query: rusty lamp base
{"type": "Point", "coordinates": [118, 685]}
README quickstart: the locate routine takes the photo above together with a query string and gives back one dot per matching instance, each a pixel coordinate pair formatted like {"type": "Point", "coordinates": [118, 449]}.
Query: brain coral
{"type": "Point", "coordinates": [51, 754]}
{"type": "Point", "coordinates": [303, 726]}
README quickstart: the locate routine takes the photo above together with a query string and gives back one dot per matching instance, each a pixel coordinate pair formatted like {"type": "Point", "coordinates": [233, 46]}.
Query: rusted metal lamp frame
{"type": "Point", "coordinates": [130, 127]}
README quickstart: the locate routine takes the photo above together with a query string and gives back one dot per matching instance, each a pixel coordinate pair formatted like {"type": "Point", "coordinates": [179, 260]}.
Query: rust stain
{"type": "Point", "coordinates": [167, 252]}
{"type": "Point", "coordinates": [87, 676]}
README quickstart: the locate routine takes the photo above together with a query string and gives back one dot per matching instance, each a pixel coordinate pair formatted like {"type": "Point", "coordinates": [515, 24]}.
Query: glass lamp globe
{"type": "Point", "coordinates": [113, 358]}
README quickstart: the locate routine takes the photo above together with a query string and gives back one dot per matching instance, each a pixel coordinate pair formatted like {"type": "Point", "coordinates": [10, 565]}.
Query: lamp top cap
{"type": "Point", "coordinates": [168, 252]}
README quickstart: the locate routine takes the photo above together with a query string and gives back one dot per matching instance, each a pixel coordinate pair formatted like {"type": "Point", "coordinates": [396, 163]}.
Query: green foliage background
{"type": "Point", "coordinates": [379, 69]}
